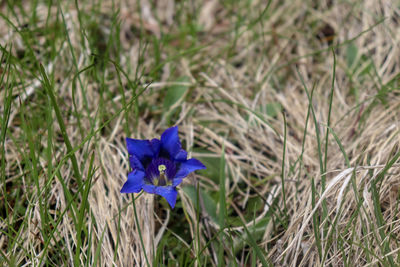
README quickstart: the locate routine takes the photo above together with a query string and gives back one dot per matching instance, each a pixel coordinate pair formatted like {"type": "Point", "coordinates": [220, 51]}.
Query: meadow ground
{"type": "Point", "coordinates": [293, 106]}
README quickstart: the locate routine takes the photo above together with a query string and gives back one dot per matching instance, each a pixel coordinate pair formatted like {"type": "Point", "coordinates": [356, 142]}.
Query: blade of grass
{"type": "Point", "coordinates": [198, 239]}
{"type": "Point", "coordinates": [346, 158]}
{"type": "Point", "coordinates": [253, 244]}
{"type": "Point", "coordinates": [377, 207]}
{"type": "Point", "coordinates": [283, 168]}
{"type": "Point", "coordinates": [140, 232]}
{"type": "Point", "coordinates": [83, 207]}
{"type": "Point", "coordinates": [48, 87]}
{"type": "Point", "coordinates": [323, 177]}
{"type": "Point", "coordinates": [5, 57]}
{"type": "Point", "coordinates": [31, 159]}
{"type": "Point", "coordinates": [222, 207]}
{"type": "Point", "coordinates": [316, 221]}
{"type": "Point", "coordinates": [98, 249]}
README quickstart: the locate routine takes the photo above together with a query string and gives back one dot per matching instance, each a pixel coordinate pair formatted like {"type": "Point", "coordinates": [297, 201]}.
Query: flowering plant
{"type": "Point", "coordinates": [158, 166]}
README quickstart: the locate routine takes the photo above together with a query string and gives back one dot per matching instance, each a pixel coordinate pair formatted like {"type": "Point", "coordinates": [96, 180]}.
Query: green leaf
{"type": "Point", "coordinates": [351, 55]}
{"type": "Point", "coordinates": [256, 230]}
{"type": "Point", "coordinates": [272, 109]}
{"type": "Point", "coordinates": [176, 92]}
{"type": "Point", "coordinates": [209, 203]}
{"type": "Point", "coordinates": [222, 206]}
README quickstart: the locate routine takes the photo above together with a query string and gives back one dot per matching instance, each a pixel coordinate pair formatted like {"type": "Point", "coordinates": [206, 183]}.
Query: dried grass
{"type": "Point", "coordinates": [228, 92]}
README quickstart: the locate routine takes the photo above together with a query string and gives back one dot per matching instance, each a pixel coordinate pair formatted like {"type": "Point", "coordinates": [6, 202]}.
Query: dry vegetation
{"type": "Point", "coordinates": [230, 74]}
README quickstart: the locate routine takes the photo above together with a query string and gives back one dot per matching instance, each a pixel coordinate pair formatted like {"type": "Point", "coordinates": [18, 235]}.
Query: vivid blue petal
{"type": "Point", "coordinates": [139, 148]}
{"type": "Point", "coordinates": [149, 188]}
{"type": "Point", "coordinates": [152, 170]}
{"type": "Point", "coordinates": [134, 183]}
{"type": "Point", "coordinates": [156, 146]}
{"type": "Point", "coordinates": [135, 163]}
{"type": "Point", "coordinates": [170, 141]}
{"type": "Point", "coordinates": [176, 181]}
{"type": "Point", "coordinates": [181, 155]}
{"type": "Point", "coordinates": [167, 192]}
{"type": "Point", "coordinates": [189, 166]}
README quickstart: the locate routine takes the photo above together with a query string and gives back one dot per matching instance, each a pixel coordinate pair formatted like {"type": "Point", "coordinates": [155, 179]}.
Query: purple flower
{"type": "Point", "coordinates": [158, 166]}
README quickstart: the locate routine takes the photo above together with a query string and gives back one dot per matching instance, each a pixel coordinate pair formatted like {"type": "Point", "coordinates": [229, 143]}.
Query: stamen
{"type": "Point", "coordinates": [160, 172]}
{"type": "Point", "coordinates": [162, 168]}
{"type": "Point", "coordinates": [163, 177]}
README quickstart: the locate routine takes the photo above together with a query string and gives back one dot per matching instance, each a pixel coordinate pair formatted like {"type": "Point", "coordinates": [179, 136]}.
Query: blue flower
{"type": "Point", "coordinates": [158, 166]}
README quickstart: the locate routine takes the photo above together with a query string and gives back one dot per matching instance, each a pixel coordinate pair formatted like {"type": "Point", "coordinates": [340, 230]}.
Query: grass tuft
{"type": "Point", "coordinates": [291, 105]}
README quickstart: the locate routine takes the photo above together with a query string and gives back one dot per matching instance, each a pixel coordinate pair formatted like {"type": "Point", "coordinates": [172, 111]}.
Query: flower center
{"type": "Point", "coordinates": [163, 179]}
{"type": "Point", "coordinates": [161, 168]}
{"type": "Point", "coordinates": [160, 172]}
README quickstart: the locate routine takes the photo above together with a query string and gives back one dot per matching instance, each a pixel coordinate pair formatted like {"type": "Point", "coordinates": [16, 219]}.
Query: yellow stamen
{"type": "Point", "coordinates": [162, 168]}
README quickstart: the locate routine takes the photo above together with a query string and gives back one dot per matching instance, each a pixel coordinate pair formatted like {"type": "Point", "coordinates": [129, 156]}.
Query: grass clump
{"type": "Point", "coordinates": [291, 105]}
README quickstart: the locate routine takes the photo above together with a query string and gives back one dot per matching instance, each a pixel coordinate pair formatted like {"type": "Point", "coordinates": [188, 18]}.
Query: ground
{"type": "Point", "coordinates": [293, 107]}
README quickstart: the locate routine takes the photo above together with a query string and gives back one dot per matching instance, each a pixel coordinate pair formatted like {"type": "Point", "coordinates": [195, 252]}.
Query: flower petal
{"type": "Point", "coordinates": [139, 148]}
{"type": "Point", "coordinates": [177, 181]}
{"type": "Point", "coordinates": [134, 183]}
{"type": "Point", "coordinates": [167, 192]}
{"type": "Point", "coordinates": [181, 155]}
{"type": "Point", "coordinates": [135, 163]}
{"type": "Point", "coordinates": [156, 146]}
{"type": "Point", "coordinates": [149, 188]}
{"type": "Point", "coordinates": [189, 166]}
{"type": "Point", "coordinates": [170, 141]}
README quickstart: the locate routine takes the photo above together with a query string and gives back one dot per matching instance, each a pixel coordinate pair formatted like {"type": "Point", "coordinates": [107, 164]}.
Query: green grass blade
{"type": "Point", "coordinates": [222, 207]}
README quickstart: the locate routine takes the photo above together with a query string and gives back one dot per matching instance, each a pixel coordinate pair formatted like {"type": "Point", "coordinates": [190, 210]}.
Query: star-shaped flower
{"type": "Point", "coordinates": [158, 166]}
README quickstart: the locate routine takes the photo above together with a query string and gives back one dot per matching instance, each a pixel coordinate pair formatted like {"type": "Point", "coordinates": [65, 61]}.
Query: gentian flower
{"type": "Point", "coordinates": [158, 166]}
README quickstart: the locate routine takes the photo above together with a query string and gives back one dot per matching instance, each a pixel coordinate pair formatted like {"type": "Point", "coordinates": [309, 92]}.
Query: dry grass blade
{"type": "Point", "coordinates": [227, 73]}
